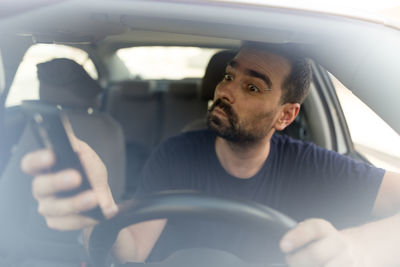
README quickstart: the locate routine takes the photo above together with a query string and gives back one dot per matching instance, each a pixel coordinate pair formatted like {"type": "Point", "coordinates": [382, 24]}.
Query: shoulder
{"type": "Point", "coordinates": [318, 158]}
{"type": "Point", "coordinates": [309, 153]}
{"type": "Point", "coordinates": [285, 140]}
{"type": "Point", "coordinates": [285, 145]}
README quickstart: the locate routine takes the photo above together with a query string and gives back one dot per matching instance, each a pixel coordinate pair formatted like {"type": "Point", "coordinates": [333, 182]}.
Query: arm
{"type": "Point", "coordinates": [317, 242]}
{"type": "Point", "coordinates": [387, 202]}
{"type": "Point", "coordinates": [146, 234]}
{"type": "Point", "coordinates": [63, 213]}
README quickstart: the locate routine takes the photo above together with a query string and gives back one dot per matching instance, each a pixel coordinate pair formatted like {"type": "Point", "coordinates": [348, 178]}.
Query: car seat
{"type": "Point", "coordinates": [182, 104]}
{"type": "Point", "coordinates": [24, 234]}
{"type": "Point", "coordinates": [138, 109]}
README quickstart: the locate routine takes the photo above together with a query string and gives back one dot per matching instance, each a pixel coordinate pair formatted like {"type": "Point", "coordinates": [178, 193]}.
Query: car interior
{"type": "Point", "coordinates": [123, 123]}
{"type": "Point", "coordinates": [117, 112]}
{"type": "Point", "coordinates": [122, 117]}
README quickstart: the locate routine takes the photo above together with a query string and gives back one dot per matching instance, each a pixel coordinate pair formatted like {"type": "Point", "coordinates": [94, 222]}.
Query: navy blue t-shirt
{"type": "Point", "coordinates": [298, 179]}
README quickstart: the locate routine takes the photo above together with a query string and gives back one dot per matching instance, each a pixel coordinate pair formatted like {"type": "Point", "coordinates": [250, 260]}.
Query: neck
{"type": "Point", "coordinates": [243, 160]}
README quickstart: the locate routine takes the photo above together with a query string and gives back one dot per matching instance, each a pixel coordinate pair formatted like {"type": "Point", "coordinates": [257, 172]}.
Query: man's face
{"type": "Point", "coordinates": [247, 101]}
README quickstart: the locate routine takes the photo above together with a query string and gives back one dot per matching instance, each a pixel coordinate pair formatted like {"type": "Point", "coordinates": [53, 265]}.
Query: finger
{"type": "Point", "coordinates": [79, 146]}
{"type": "Point", "coordinates": [37, 161]}
{"type": "Point", "coordinates": [52, 207]}
{"type": "Point", "coordinates": [318, 253]}
{"type": "Point", "coordinates": [92, 164]}
{"type": "Point", "coordinates": [49, 184]}
{"type": "Point", "coordinates": [73, 222]}
{"type": "Point", "coordinates": [304, 233]}
{"type": "Point", "coordinates": [76, 143]}
{"type": "Point", "coordinates": [106, 202]}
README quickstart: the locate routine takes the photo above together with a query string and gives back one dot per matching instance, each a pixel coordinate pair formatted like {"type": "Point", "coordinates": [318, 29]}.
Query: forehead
{"type": "Point", "coordinates": [276, 67]}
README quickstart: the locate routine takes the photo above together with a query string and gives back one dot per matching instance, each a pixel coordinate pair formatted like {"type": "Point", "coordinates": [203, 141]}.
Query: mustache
{"type": "Point", "coordinates": [222, 105]}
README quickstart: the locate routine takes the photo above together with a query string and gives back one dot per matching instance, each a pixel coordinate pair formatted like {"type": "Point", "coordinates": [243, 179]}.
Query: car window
{"type": "Point", "coordinates": [372, 136]}
{"type": "Point", "coordinates": [26, 85]}
{"type": "Point", "coordinates": [166, 62]}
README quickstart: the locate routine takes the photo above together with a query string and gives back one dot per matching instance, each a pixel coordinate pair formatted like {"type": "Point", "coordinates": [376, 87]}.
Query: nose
{"type": "Point", "coordinates": [226, 91]}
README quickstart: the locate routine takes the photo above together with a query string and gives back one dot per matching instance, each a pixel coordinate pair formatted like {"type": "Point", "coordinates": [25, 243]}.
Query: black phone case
{"type": "Point", "coordinates": [49, 126]}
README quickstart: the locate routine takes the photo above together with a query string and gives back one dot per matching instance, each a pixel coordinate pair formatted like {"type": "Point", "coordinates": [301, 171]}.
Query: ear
{"type": "Point", "coordinates": [287, 115]}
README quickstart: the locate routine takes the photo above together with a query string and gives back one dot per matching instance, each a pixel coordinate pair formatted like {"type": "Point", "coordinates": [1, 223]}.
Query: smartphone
{"type": "Point", "coordinates": [51, 127]}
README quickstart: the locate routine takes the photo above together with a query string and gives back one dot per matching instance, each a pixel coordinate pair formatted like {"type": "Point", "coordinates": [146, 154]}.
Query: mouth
{"type": "Point", "coordinates": [218, 110]}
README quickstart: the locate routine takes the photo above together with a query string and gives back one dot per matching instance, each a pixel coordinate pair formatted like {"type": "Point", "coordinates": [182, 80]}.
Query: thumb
{"type": "Point", "coordinates": [106, 201]}
{"type": "Point", "coordinates": [110, 211]}
{"type": "Point", "coordinates": [75, 141]}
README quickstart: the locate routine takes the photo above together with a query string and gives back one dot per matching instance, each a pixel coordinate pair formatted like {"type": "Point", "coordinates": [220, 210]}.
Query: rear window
{"type": "Point", "coordinates": [173, 63]}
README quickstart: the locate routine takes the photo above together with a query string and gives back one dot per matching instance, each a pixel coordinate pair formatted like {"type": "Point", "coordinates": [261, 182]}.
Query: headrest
{"type": "Point", "coordinates": [131, 89]}
{"type": "Point", "coordinates": [64, 82]}
{"type": "Point", "coordinates": [183, 89]}
{"type": "Point", "coordinates": [215, 72]}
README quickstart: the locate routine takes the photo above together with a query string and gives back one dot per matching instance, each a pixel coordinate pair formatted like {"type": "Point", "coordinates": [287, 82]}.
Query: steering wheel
{"type": "Point", "coordinates": [180, 204]}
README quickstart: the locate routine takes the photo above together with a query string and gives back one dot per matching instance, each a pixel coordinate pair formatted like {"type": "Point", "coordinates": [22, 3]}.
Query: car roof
{"type": "Point", "coordinates": [12, 8]}
{"type": "Point", "coordinates": [115, 17]}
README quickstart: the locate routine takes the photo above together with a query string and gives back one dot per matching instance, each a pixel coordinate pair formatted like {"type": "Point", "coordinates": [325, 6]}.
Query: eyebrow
{"type": "Point", "coordinates": [253, 73]}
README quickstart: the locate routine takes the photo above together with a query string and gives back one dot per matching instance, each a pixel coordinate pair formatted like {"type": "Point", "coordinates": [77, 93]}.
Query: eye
{"type": "Point", "coordinates": [253, 88]}
{"type": "Point", "coordinates": [228, 77]}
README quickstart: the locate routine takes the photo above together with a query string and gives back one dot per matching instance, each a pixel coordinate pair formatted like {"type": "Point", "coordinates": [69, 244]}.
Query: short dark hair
{"type": "Point", "coordinates": [296, 84]}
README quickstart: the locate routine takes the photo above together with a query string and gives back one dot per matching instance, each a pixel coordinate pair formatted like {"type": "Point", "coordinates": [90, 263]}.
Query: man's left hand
{"type": "Point", "coordinates": [316, 242]}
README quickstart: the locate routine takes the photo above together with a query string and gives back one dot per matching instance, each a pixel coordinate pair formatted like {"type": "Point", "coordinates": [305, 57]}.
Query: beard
{"type": "Point", "coordinates": [231, 129]}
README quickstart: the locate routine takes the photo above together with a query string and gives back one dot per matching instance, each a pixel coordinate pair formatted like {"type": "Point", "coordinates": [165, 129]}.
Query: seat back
{"type": "Point", "coordinates": [137, 109]}
{"type": "Point", "coordinates": [182, 104]}
{"type": "Point", "coordinates": [64, 83]}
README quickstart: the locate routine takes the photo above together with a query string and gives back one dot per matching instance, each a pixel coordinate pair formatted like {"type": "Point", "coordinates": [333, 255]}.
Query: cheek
{"type": "Point", "coordinates": [254, 118]}
{"type": "Point", "coordinates": [264, 118]}
{"type": "Point", "coordinates": [257, 113]}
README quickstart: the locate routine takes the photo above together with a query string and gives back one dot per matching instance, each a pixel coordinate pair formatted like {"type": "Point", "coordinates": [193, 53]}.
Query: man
{"type": "Point", "coordinates": [242, 156]}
